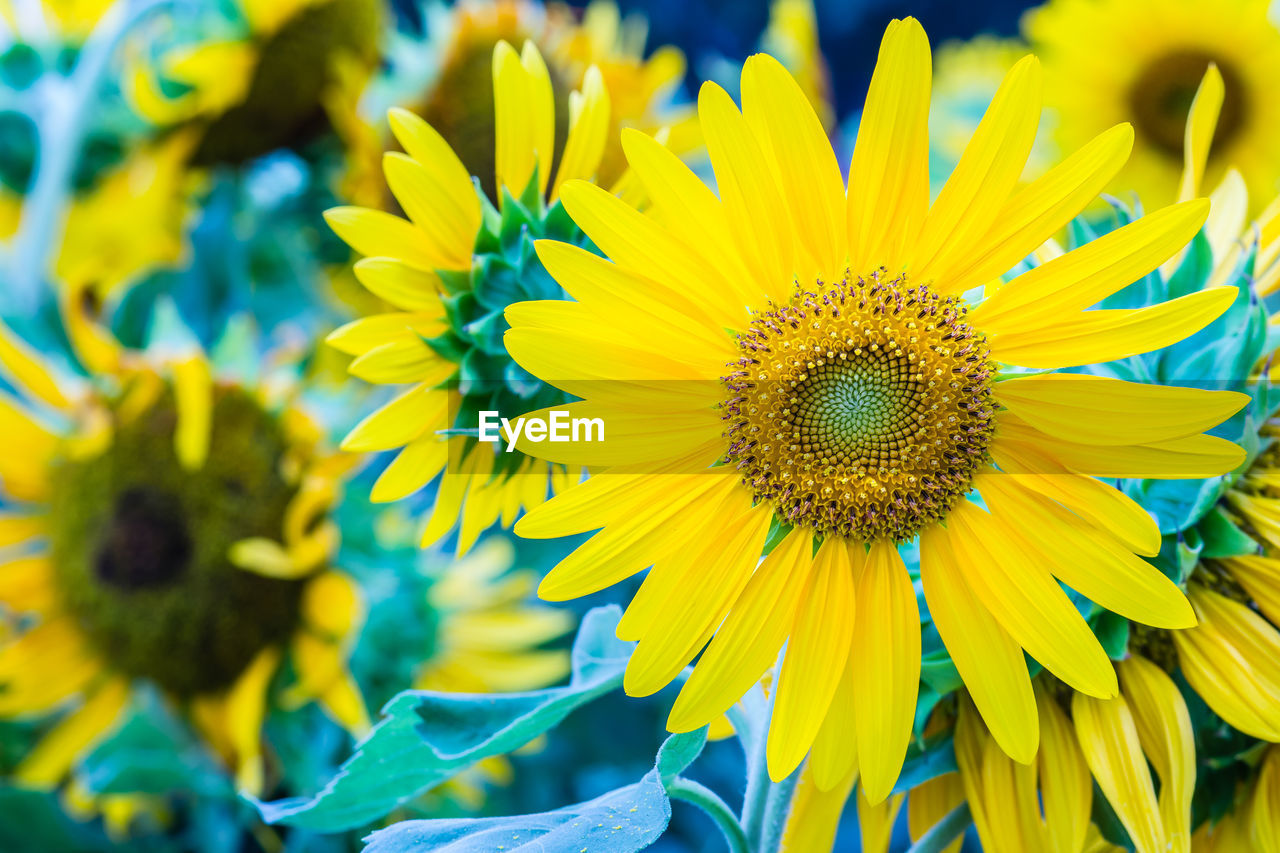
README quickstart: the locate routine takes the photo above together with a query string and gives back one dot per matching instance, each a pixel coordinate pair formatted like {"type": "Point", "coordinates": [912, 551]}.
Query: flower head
{"type": "Point", "coordinates": [804, 370]}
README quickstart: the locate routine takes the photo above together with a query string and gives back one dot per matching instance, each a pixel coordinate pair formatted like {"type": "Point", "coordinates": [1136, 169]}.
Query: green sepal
{"type": "Point", "coordinates": [1112, 632]}
{"type": "Point", "coordinates": [448, 346]}
{"type": "Point", "coordinates": [1222, 538]}
{"type": "Point", "coordinates": [455, 281]}
{"type": "Point", "coordinates": [487, 333]}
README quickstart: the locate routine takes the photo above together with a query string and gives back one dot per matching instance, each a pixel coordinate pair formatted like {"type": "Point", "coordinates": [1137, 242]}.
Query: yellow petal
{"type": "Point", "coordinates": [588, 131]}
{"type": "Point", "coordinates": [399, 422]}
{"type": "Point", "coordinates": [976, 192]}
{"type": "Point", "coordinates": [374, 233]}
{"type": "Point", "coordinates": [415, 466]}
{"type": "Point", "coordinates": [1201, 125]}
{"type": "Point", "coordinates": [402, 285]}
{"type": "Point", "coordinates": [888, 195]}
{"type": "Point", "coordinates": [1027, 601]}
{"type": "Point", "coordinates": [331, 604]}
{"type": "Point", "coordinates": [931, 801]}
{"type": "Point", "coordinates": [444, 230]}
{"type": "Point", "coordinates": [1087, 560]}
{"type": "Point", "coordinates": [987, 658]}
{"type": "Point", "coordinates": [1108, 737]}
{"type": "Point", "coordinates": [429, 148]}
{"type": "Point", "coordinates": [49, 762]}
{"type": "Point", "coordinates": [834, 757]}
{"type": "Point", "coordinates": [402, 361]}
{"type": "Point", "coordinates": [23, 364]}
{"type": "Point", "coordinates": [27, 584]}
{"type": "Point", "coordinates": [1102, 410]}
{"type": "Point", "coordinates": [748, 641]}
{"type": "Point", "coordinates": [360, 336]}
{"type": "Point", "coordinates": [876, 822]}
{"type": "Point", "coordinates": [1034, 213]}
{"type": "Point", "coordinates": [1082, 277]}
{"type": "Point", "coordinates": [1164, 730]}
{"type": "Point", "coordinates": [541, 110]}
{"type": "Point", "coordinates": [815, 813]}
{"type": "Point", "coordinates": [886, 668]}
{"type": "Point", "coordinates": [814, 189]}
{"type": "Point", "coordinates": [711, 579]}
{"type": "Point", "coordinates": [753, 202]}
{"type": "Point", "coordinates": [193, 390]}
{"type": "Point", "coordinates": [1065, 787]}
{"type": "Point", "coordinates": [1260, 577]}
{"type": "Point", "coordinates": [817, 657]}
{"type": "Point", "coordinates": [245, 709]}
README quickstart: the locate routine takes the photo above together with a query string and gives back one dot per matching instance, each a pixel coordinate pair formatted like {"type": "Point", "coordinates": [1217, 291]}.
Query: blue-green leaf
{"type": "Point", "coordinates": [621, 821]}
{"type": "Point", "coordinates": [425, 738]}
{"type": "Point", "coordinates": [678, 752]}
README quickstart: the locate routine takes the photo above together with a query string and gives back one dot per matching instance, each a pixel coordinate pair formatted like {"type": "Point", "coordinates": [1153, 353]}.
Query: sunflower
{"type": "Point", "coordinates": [452, 269]}
{"type": "Point", "coordinates": [821, 352]}
{"type": "Point", "coordinates": [165, 525]}
{"type": "Point", "coordinates": [271, 82]}
{"type": "Point", "coordinates": [1140, 61]}
{"type": "Point", "coordinates": [459, 100]}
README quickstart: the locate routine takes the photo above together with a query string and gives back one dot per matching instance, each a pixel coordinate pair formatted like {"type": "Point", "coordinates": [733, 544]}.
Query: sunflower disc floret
{"type": "Point", "coordinates": [861, 409]}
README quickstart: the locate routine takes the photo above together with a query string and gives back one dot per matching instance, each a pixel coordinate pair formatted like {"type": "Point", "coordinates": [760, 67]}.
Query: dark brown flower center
{"type": "Point", "coordinates": [1161, 97]}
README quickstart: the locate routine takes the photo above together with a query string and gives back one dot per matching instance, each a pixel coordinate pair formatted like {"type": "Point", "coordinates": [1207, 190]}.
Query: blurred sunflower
{"type": "Point", "coordinates": [272, 80]}
{"type": "Point", "coordinates": [452, 268]}
{"type": "Point", "coordinates": [459, 101]}
{"type": "Point", "coordinates": [792, 38]}
{"type": "Point", "coordinates": [855, 404]}
{"type": "Point", "coordinates": [166, 525]}
{"type": "Point", "coordinates": [1108, 61]}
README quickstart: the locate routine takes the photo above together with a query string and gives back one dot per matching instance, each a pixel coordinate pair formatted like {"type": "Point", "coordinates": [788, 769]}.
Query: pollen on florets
{"type": "Point", "coordinates": [860, 409]}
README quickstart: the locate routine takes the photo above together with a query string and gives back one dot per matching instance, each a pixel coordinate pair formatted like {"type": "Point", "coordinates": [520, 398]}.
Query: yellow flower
{"type": "Point", "coordinates": [797, 357]}
{"type": "Point", "coordinates": [268, 86]}
{"type": "Point", "coordinates": [155, 488]}
{"type": "Point", "coordinates": [792, 37]}
{"type": "Point", "coordinates": [1108, 61]}
{"type": "Point", "coordinates": [405, 264]}
{"type": "Point", "coordinates": [460, 102]}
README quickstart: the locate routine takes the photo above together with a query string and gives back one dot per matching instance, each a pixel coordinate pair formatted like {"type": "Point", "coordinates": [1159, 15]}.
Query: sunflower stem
{"type": "Point", "coordinates": [59, 111]}
{"type": "Point", "coordinates": [704, 798]}
{"type": "Point", "coordinates": [755, 801]}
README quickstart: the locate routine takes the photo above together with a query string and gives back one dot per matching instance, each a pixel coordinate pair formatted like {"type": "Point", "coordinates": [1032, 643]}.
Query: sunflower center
{"type": "Point", "coordinates": [1161, 96]}
{"type": "Point", "coordinates": [861, 409]}
{"type": "Point", "coordinates": [139, 546]}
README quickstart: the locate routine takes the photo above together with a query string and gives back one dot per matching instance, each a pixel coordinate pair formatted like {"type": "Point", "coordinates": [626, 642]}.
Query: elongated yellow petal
{"type": "Point", "coordinates": [1193, 457]}
{"type": "Point", "coordinates": [1266, 803]}
{"type": "Point", "coordinates": [814, 189]}
{"type": "Point", "coordinates": [375, 233]}
{"type": "Point", "coordinates": [1065, 788]}
{"type": "Point", "coordinates": [588, 131]}
{"type": "Point", "coordinates": [246, 707]}
{"type": "Point", "coordinates": [1035, 212]}
{"type": "Point", "coordinates": [399, 422]}
{"type": "Point", "coordinates": [815, 814]}
{"type": "Point", "coordinates": [1164, 730]}
{"type": "Point", "coordinates": [1087, 560]}
{"type": "Point", "coordinates": [430, 149]}
{"type": "Point", "coordinates": [749, 640]}
{"type": "Point", "coordinates": [888, 196]}
{"type": "Point", "coordinates": [834, 757]}
{"type": "Point", "coordinates": [988, 659]}
{"type": "Point", "coordinates": [1102, 410]}
{"type": "Point", "coordinates": [886, 668]}
{"type": "Point", "coordinates": [1201, 124]}
{"type": "Point", "coordinates": [28, 585]}
{"type": "Point", "coordinates": [876, 822]}
{"type": "Point", "coordinates": [515, 146]}
{"type": "Point", "coordinates": [48, 763]}
{"type": "Point", "coordinates": [618, 437]}
{"type": "Point", "coordinates": [1084, 276]}
{"type": "Point", "coordinates": [967, 206]}
{"type": "Point", "coordinates": [1109, 740]}
{"type": "Point", "coordinates": [400, 361]}
{"type": "Point", "coordinates": [1001, 792]}
{"type": "Point", "coordinates": [931, 801]}
{"type": "Point", "coordinates": [443, 229]}
{"type": "Point", "coordinates": [636, 242]}
{"type": "Point", "coordinates": [817, 655]}
{"type": "Point", "coordinates": [25, 473]}
{"type": "Point", "coordinates": [1101, 504]}
{"type": "Point", "coordinates": [753, 202]}
{"type": "Point", "coordinates": [400, 284]}
{"type": "Point", "coordinates": [1260, 577]}
{"type": "Point", "coordinates": [541, 110]}
{"type": "Point", "coordinates": [193, 391]}
{"type": "Point", "coordinates": [367, 333]}
{"type": "Point", "coordinates": [711, 582]}
{"type": "Point", "coordinates": [1027, 601]}
{"type": "Point", "coordinates": [415, 466]}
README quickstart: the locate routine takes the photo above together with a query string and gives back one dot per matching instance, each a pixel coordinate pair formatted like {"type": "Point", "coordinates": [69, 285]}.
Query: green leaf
{"type": "Point", "coordinates": [1222, 538]}
{"type": "Point", "coordinates": [937, 758]}
{"type": "Point", "coordinates": [678, 752]}
{"type": "Point", "coordinates": [32, 820]}
{"type": "Point", "coordinates": [1112, 632]}
{"type": "Point", "coordinates": [425, 738]}
{"type": "Point", "coordinates": [621, 821]}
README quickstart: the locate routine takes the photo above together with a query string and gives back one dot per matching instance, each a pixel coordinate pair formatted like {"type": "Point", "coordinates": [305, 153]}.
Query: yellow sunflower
{"type": "Point", "coordinates": [166, 525]}
{"type": "Point", "coordinates": [1140, 61]}
{"type": "Point", "coordinates": [809, 366]}
{"type": "Point", "coordinates": [446, 337]}
{"type": "Point", "coordinates": [270, 83]}
{"type": "Point", "coordinates": [459, 103]}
